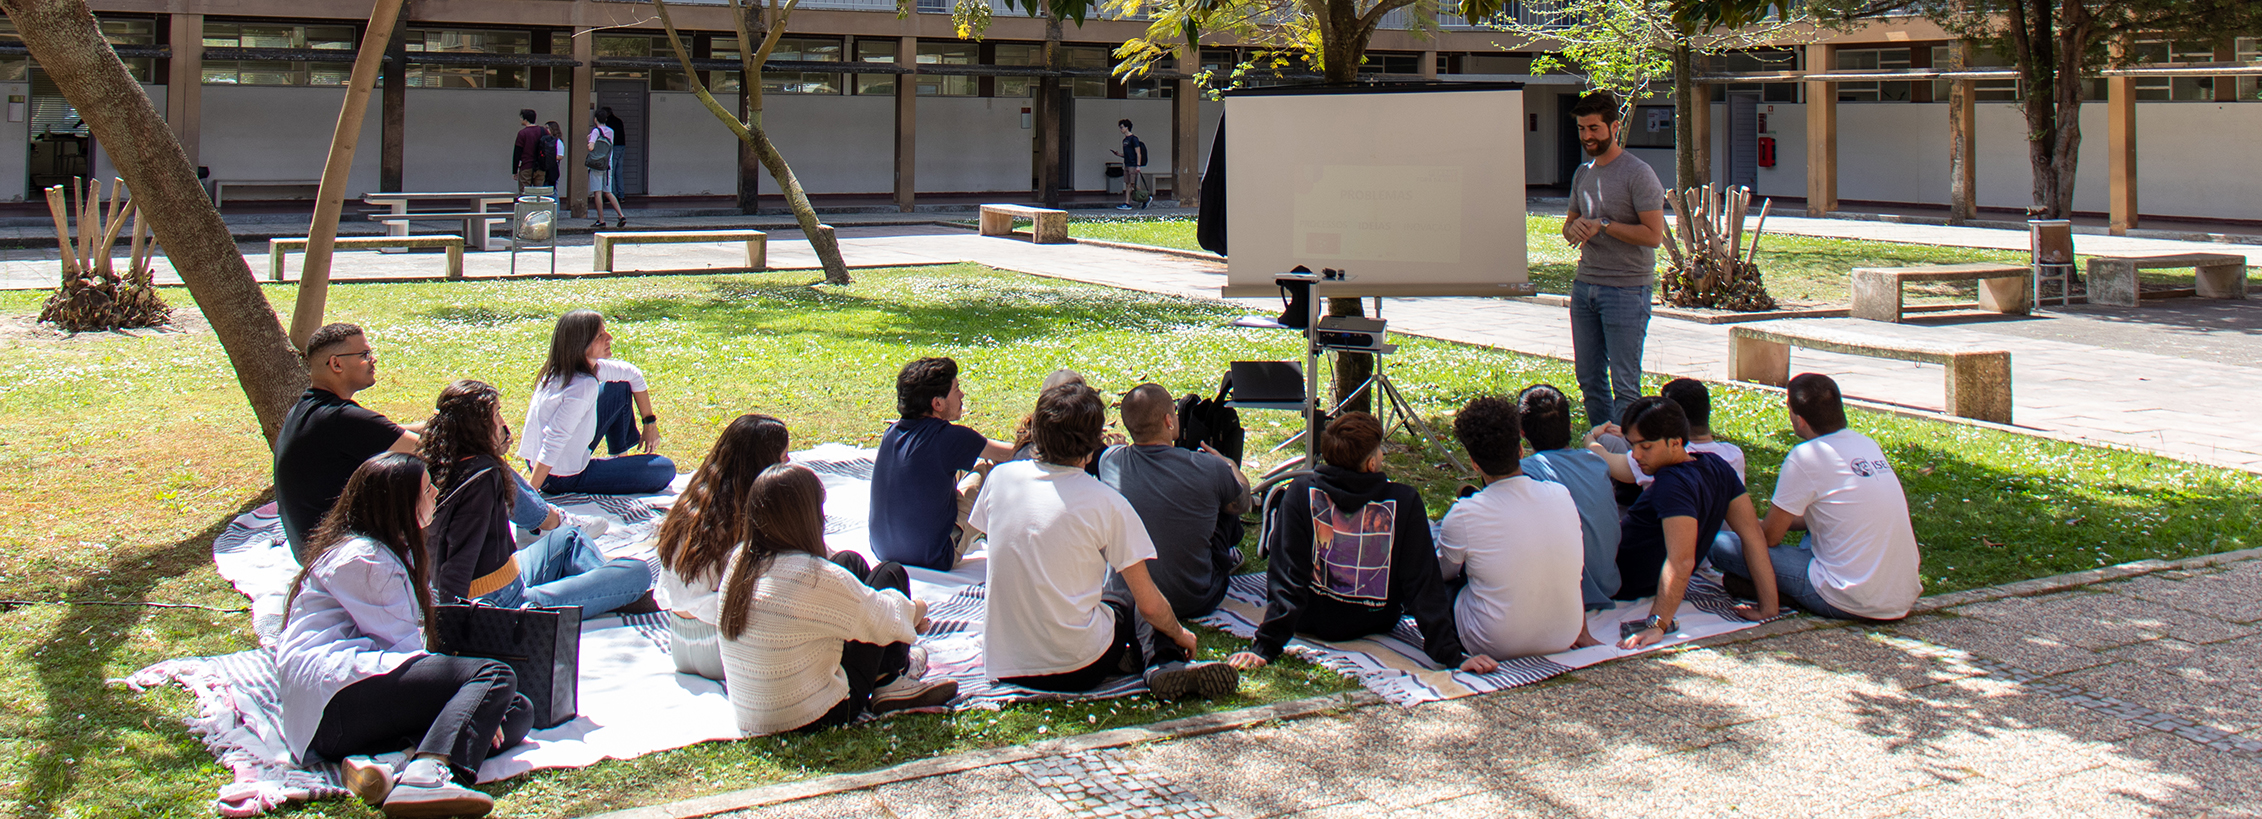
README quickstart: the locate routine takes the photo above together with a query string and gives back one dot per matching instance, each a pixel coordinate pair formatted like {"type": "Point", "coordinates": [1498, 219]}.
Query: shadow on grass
{"type": "Point", "coordinates": [83, 714]}
{"type": "Point", "coordinates": [985, 311]}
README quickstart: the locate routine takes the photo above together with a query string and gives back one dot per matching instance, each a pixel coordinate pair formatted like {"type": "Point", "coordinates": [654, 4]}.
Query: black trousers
{"type": "Point", "coordinates": [437, 703]}
{"type": "Point", "coordinates": [1134, 649]}
{"type": "Point", "coordinates": [867, 665]}
{"type": "Point", "coordinates": [1338, 622]}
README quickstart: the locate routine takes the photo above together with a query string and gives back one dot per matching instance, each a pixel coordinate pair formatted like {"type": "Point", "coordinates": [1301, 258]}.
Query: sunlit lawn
{"type": "Point", "coordinates": [126, 454]}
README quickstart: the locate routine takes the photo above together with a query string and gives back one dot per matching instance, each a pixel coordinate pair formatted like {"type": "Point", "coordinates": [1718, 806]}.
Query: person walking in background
{"type": "Point", "coordinates": [557, 155]}
{"type": "Point", "coordinates": [600, 161]}
{"type": "Point", "coordinates": [1616, 220]}
{"type": "Point", "coordinates": [527, 150]}
{"type": "Point", "coordinates": [1134, 155]}
{"type": "Point", "coordinates": [620, 141]}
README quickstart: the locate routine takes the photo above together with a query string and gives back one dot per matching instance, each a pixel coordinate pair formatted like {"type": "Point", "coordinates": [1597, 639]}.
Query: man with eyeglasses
{"type": "Point", "coordinates": [1692, 497]}
{"type": "Point", "coordinates": [326, 435]}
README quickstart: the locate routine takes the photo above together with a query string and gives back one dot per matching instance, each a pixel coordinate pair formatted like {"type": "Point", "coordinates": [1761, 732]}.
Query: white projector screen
{"type": "Point", "coordinates": [1414, 190]}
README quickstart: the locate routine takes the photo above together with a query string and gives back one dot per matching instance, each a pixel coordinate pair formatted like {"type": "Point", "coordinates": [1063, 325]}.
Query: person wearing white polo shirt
{"type": "Point", "coordinates": [1859, 559]}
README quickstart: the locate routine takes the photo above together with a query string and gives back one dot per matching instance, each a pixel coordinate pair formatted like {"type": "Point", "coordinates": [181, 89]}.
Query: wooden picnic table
{"type": "Point", "coordinates": [455, 201]}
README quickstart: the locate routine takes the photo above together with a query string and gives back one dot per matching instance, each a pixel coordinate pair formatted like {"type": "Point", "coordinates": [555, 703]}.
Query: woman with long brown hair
{"type": "Point", "coordinates": [585, 397]}
{"type": "Point", "coordinates": [704, 528]}
{"type": "Point", "coordinates": [474, 554]}
{"type": "Point", "coordinates": [355, 675]}
{"type": "Point", "coordinates": [810, 642]}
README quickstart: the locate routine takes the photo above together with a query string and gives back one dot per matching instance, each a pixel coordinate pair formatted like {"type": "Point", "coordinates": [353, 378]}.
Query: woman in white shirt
{"type": "Point", "coordinates": [810, 642]}
{"type": "Point", "coordinates": [703, 530]}
{"type": "Point", "coordinates": [582, 399]}
{"type": "Point", "coordinates": [356, 678]}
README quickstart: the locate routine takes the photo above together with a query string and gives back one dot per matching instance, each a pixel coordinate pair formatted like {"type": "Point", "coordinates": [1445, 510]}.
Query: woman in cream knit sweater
{"type": "Point", "coordinates": [810, 641]}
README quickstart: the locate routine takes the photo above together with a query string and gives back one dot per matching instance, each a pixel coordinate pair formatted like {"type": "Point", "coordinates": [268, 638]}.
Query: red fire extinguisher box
{"type": "Point", "coordinates": [1767, 152]}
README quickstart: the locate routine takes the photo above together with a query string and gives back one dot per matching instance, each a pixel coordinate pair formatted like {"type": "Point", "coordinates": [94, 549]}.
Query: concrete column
{"type": "Point", "coordinates": [2120, 147]}
{"type": "Point", "coordinates": [392, 162]}
{"type": "Point", "coordinates": [184, 82]}
{"type": "Point", "coordinates": [1429, 65]}
{"type": "Point", "coordinates": [1821, 134]}
{"type": "Point", "coordinates": [906, 125]}
{"type": "Point", "coordinates": [1186, 133]}
{"type": "Point", "coordinates": [580, 92]}
{"type": "Point", "coordinates": [1963, 178]}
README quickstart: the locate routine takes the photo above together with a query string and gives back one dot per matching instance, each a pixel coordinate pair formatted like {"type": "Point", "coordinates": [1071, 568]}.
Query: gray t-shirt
{"type": "Point", "coordinates": [1182, 496]}
{"type": "Point", "coordinates": [1619, 191]}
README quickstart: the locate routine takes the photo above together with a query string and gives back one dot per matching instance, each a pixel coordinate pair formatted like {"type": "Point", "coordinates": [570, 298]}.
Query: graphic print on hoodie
{"type": "Point", "coordinates": [1352, 549]}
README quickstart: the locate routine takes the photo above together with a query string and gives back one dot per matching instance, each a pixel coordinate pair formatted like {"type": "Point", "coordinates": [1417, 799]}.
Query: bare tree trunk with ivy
{"type": "Point", "coordinates": [750, 19]}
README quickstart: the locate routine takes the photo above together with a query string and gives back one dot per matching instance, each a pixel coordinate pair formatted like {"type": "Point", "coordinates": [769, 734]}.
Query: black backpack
{"type": "Point", "coordinates": [1210, 421]}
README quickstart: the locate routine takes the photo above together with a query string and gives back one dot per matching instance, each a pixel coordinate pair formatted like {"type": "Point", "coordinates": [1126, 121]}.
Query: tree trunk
{"type": "Point", "coordinates": [1341, 49]}
{"type": "Point", "coordinates": [330, 198]}
{"type": "Point", "coordinates": [1684, 120]}
{"type": "Point", "coordinates": [1048, 115]}
{"type": "Point", "coordinates": [820, 240]}
{"type": "Point", "coordinates": [2074, 34]}
{"type": "Point", "coordinates": [62, 36]}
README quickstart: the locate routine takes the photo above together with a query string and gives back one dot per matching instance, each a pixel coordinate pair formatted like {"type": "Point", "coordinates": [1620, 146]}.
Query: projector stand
{"type": "Point", "coordinates": [1407, 417]}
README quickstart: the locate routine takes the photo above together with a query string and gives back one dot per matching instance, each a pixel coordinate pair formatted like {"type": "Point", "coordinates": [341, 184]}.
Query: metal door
{"type": "Point", "coordinates": [631, 101]}
{"type": "Point", "coordinates": [1743, 140]}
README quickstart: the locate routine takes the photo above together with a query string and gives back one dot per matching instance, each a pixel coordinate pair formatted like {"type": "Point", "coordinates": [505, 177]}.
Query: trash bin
{"type": "Point", "coordinates": [1114, 172]}
{"type": "Point", "coordinates": [534, 224]}
{"type": "Point", "coordinates": [2052, 241]}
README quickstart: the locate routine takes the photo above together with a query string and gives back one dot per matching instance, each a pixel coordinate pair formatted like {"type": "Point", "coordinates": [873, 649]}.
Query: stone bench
{"type": "Point", "coordinates": [757, 245]}
{"type": "Point", "coordinates": [1047, 226]}
{"type": "Point", "coordinates": [2112, 279]}
{"type": "Point", "coordinates": [1877, 290]}
{"type": "Point", "coordinates": [1978, 380]}
{"type": "Point", "coordinates": [452, 244]}
{"type": "Point", "coordinates": [476, 223]}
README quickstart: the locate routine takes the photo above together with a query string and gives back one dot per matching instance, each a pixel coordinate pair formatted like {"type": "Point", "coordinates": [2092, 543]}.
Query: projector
{"type": "Point", "coordinates": [1352, 333]}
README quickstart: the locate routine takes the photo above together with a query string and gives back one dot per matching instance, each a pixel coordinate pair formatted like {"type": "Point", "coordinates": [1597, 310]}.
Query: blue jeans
{"type": "Point", "coordinates": [1791, 578]}
{"type": "Point", "coordinates": [617, 430]}
{"type": "Point", "coordinates": [1608, 325]}
{"type": "Point", "coordinates": [563, 568]}
{"type": "Point", "coordinates": [528, 510]}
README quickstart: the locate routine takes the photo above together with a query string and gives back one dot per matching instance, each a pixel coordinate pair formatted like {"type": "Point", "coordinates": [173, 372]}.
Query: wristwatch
{"type": "Point", "coordinates": [1660, 623]}
{"type": "Point", "coordinates": [651, 419]}
{"type": "Point", "coordinates": [1605, 222]}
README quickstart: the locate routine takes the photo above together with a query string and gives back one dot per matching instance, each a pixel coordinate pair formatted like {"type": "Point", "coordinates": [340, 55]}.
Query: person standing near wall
{"type": "Point", "coordinates": [1134, 155]}
{"type": "Point", "coordinates": [1616, 220]}
{"type": "Point", "coordinates": [552, 164]}
{"type": "Point", "coordinates": [602, 138]}
{"type": "Point", "coordinates": [527, 150]}
{"type": "Point", "coordinates": [620, 139]}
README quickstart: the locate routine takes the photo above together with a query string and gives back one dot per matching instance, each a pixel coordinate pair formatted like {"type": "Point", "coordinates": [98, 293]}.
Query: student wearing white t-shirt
{"type": "Point", "coordinates": [582, 399]}
{"type": "Point", "coordinates": [1518, 544]}
{"type": "Point", "coordinates": [1859, 559]}
{"type": "Point", "coordinates": [1055, 619]}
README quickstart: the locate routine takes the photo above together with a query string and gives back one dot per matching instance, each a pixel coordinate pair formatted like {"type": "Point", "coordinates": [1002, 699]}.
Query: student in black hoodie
{"type": "Point", "coordinates": [1351, 555]}
{"type": "Point", "coordinates": [474, 555]}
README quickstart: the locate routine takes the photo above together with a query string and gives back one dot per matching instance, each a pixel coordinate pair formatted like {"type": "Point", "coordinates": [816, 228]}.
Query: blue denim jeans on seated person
{"type": "Point", "coordinates": [528, 510]}
{"type": "Point", "coordinates": [1608, 326]}
{"type": "Point", "coordinates": [563, 568]}
{"type": "Point", "coordinates": [1792, 582]}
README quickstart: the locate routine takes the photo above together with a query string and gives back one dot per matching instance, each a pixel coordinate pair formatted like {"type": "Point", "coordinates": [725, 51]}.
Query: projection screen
{"type": "Point", "coordinates": [1414, 189]}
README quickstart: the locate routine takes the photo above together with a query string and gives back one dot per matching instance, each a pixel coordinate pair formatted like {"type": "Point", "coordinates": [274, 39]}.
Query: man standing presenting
{"type": "Point", "coordinates": [1616, 220]}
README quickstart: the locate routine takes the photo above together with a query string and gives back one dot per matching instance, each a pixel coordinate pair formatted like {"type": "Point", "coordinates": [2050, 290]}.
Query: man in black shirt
{"type": "Point", "coordinates": [1134, 155]}
{"type": "Point", "coordinates": [326, 435]}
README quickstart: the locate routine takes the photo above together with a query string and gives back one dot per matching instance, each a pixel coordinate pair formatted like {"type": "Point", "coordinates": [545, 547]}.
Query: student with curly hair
{"type": "Point", "coordinates": [1516, 543]}
{"type": "Point", "coordinates": [356, 677]}
{"type": "Point", "coordinates": [474, 554]}
{"type": "Point", "coordinates": [704, 528]}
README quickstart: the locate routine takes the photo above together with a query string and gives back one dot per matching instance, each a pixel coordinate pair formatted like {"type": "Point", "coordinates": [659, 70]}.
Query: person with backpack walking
{"type": "Point", "coordinates": [600, 163]}
{"type": "Point", "coordinates": [1134, 155]}
{"type": "Point", "coordinates": [553, 165]}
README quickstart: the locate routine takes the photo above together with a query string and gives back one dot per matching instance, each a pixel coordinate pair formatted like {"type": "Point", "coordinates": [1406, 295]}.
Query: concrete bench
{"type": "Point", "coordinates": [757, 244]}
{"type": "Point", "coordinates": [452, 244]}
{"type": "Point", "coordinates": [220, 186]}
{"type": "Point", "coordinates": [1978, 380]}
{"type": "Point", "coordinates": [475, 223]}
{"type": "Point", "coordinates": [1047, 226]}
{"type": "Point", "coordinates": [2112, 279]}
{"type": "Point", "coordinates": [1877, 290]}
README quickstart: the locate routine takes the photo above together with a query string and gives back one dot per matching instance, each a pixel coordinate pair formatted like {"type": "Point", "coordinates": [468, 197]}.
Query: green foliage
{"type": "Point", "coordinates": [1702, 15]}
{"type": "Point", "coordinates": [1626, 47]}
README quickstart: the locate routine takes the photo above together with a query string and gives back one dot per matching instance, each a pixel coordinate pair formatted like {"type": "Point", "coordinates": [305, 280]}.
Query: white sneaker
{"type": "Point", "coordinates": [917, 667]}
{"type": "Point", "coordinates": [911, 692]}
{"type": "Point", "coordinates": [590, 525]}
{"type": "Point", "coordinates": [426, 789]}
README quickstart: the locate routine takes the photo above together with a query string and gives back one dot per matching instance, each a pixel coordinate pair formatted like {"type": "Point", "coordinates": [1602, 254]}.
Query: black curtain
{"type": "Point", "coordinates": [1209, 225]}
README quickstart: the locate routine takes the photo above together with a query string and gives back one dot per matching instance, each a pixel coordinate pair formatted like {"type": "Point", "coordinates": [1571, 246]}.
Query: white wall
{"type": "Point", "coordinates": [839, 144]}
{"type": "Point", "coordinates": [459, 139]}
{"type": "Point", "coordinates": [102, 169]}
{"type": "Point", "coordinates": [15, 145]}
{"type": "Point", "coordinates": [689, 152]}
{"type": "Point", "coordinates": [265, 132]}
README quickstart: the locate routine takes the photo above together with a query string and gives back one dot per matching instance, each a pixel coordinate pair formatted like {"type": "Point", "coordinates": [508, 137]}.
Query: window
{"type": "Point", "coordinates": [789, 49]}
{"type": "Point", "coordinates": [1085, 58]}
{"type": "Point", "coordinates": [1018, 54]}
{"type": "Point", "coordinates": [2249, 49]}
{"type": "Point", "coordinates": [875, 51]}
{"type": "Point", "coordinates": [13, 69]}
{"type": "Point", "coordinates": [454, 41]}
{"type": "Point", "coordinates": [220, 34]}
{"type": "Point", "coordinates": [1984, 90]}
{"type": "Point", "coordinates": [1874, 59]}
{"type": "Point", "coordinates": [1391, 64]}
{"type": "Point", "coordinates": [1754, 61]}
{"type": "Point", "coordinates": [942, 85]}
{"type": "Point", "coordinates": [1150, 89]}
{"type": "Point", "coordinates": [2174, 88]}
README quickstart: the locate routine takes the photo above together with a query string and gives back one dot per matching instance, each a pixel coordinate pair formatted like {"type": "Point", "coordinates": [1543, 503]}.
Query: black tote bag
{"type": "Point", "coordinates": [542, 646]}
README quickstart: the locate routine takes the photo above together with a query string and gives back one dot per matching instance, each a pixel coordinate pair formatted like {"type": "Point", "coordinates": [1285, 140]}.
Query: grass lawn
{"type": "Point", "coordinates": [128, 454]}
{"type": "Point", "coordinates": [1801, 271]}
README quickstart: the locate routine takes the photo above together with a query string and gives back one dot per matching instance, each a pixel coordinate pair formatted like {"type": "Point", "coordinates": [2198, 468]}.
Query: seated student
{"type": "Point", "coordinates": [326, 435]}
{"type": "Point", "coordinates": [1056, 620]}
{"type": "Point", "coordinates": [1695, 494]}
{"type": "Point", "coordinates": [1696, 406]}
{"type": "Point", "coordinates": [1859, 559]}
{"type": "Point", "coordinates": [1545, 415]}
{"type": "Point", "coordinates": [1517, 541]}
{"type": "Point", "coordinates": [581, 399]}
{"type": "Point", "coordinates": [704, 528]}
{"type": "Point", "coordinates": [1351, 555]}
{"type": "Point", "coordinates": [810, 642]}
{"type": "Point", "coordinates": [1024, 444]}
{"type": "Point", "coordinates": [1191, 502]}
{"type": "Point", "coordinates": [355, 676]}
{"type": "Point", "coordinates": [917, 505]}
{"type": "Point", "coordinates": [474, 556]}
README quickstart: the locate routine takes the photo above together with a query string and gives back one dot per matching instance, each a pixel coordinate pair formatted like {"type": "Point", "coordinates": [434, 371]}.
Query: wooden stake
{"type": "Point", "coordinates": [57, 209]}
{"type": "Point", "coordinates": [1752, 257]}
{"type": "Point", "coordinates": [115, 222]}
{"type": "Point", "coordinates": [90, 199]}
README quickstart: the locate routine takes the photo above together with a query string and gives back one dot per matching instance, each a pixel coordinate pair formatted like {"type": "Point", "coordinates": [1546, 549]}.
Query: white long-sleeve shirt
{"type": "Point", "coordinates": [783, 671]}
{"type": "Point", "coordinates": [561, 419]}
{"type": "Point", "coordinates": [355, 617]}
